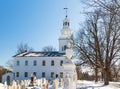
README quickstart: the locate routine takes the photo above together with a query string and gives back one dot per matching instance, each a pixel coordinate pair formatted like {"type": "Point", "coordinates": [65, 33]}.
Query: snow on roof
{"type": "Point", "coordinates": [40, 54]}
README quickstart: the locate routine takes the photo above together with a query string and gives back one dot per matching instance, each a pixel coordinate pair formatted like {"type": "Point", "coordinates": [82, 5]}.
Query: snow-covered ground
{"type": "Point", "coordinates": [2, 86]}
{"type": "Point", "coordinates": [92, 85]}
{"type": "Point", "coordinates": [83, 84]}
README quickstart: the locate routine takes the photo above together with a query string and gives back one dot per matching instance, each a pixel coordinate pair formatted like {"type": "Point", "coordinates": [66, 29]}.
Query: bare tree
{"type": "Point", "coordinates": [10, 64]}
{"type": "Point", "coordinates": [112, 6]}
{"type": "Point", "coordinates": [23, 47]}
{"type": "Point", "coordinates": [98, 42]}
{"type": "Point", "coordinates": [116, 71]}
{"type": "Point", "coordinates": [48, 49]}
{"type": "Point", "coordinates": [79, 72]}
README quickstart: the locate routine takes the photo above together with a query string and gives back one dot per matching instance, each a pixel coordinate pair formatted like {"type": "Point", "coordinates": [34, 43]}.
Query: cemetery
{"type": "Point", "coordinates": [42, 83]}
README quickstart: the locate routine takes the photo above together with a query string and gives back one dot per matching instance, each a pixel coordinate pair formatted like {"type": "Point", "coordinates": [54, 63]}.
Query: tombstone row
{"type": "Point", "coordinates": [36, 84]}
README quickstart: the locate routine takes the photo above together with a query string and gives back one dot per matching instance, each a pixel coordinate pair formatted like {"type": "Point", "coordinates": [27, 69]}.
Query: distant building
{"type": "Point", "coordinates": [42, 64]}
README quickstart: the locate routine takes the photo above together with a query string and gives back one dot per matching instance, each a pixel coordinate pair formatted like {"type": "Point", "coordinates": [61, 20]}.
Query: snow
{"type": "Point", "coordinates": [83, 84]}
{"type": "Point", "coordinates": [2, 86]}
{"type": "Point", "coordinates": [34, 54]}
{"type": "Point", "coordinates": [100, 85]}
{"type": "Point", "coordinates": [50, 87]}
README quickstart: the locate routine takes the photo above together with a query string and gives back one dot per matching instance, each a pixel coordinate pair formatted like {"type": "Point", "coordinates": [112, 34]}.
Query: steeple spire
{"type": "Point", "coordinates": [66, 11]}
{"type": "Point", "coordinates": [66, 21]}
{"type": "Point", "coordinates": [65, 34]}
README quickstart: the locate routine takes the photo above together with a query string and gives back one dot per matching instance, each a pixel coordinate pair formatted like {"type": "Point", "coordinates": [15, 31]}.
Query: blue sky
{"type": "Point", "coordinates": [35, 22]}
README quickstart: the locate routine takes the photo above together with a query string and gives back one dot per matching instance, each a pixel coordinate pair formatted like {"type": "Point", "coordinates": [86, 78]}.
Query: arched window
{"type": "Point", "coordinates": [18, 63]}
{"type": "Point", "coordinates": [52, 74]}
{"type": "Point", "coordinates": [34, 62]}
{"type": "Point", "coordinates": [17, 74]}
{"type": "Point", "coordinates": [43, 63]}
{"type": "Point", "coordinates": [52, 63]}
{"type": "Point", "coordinates": [65, 47]}
{"type": "Point", "coordinates": [26, 74]}
{"type": "Point", "coordinates": [61, 62]}
{"type": "Point", "coordinates": [65, 23]}
{"type": "Point", "coordinates": [26, 62]}
{"type": "Point", "coordinates": [68, 24]}
{"type": "Point", "coordinates": [8, 80]}
{"type": "Point", "coordinates": [43, 74]}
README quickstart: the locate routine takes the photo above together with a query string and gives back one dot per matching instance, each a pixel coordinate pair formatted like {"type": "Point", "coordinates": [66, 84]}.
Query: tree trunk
{"type": "Point", "coordinates": [116, 77]}
{"type": "Point", "coordinates": [96, 74]}
{"type": "Point", "coordinates": [106, 76]}
{"type": "Point", "coordinates": [102, 76]}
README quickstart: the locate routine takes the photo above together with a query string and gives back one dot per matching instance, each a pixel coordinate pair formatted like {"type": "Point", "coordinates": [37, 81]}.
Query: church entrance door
{"type": "Point", "coordinates": [8, 80]}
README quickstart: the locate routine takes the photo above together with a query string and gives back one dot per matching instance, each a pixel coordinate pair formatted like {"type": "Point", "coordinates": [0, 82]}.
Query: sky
{"type": "Point", "coordinates": [34, 22]}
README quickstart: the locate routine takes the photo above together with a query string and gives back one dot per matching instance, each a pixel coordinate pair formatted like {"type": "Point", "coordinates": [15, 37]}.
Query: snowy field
{"type": "Point", "coordinates": [1, 86]}
{"type": "Point", "coordinates": [92, 85]}
{"type": "Point", "coordinates": [87, 85]}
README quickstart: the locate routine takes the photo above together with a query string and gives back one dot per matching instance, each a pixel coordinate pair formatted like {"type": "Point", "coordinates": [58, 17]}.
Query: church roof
{"type": "Point", "coordinates": [40, 54]}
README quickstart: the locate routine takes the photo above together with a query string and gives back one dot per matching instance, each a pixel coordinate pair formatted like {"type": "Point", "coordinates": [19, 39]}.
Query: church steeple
{"type": "Point", "coordinates": [65, 34]}
{"type": "Point", "coordinates": [66, 31]}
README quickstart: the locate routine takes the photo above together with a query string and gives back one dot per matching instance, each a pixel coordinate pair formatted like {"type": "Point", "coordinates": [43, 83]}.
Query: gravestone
{"type": "Point", "coordinates": [55, 84]}
{"type": "Point", "coordinates": [60, 82]}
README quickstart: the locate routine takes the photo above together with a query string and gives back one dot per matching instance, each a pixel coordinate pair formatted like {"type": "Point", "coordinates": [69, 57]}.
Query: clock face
{"type": "Point", "coordinates": [66, 32]}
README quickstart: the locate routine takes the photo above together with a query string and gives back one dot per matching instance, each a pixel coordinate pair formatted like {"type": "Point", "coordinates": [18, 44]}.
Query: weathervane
{"type": "Point", "coordinates": [66, 11]}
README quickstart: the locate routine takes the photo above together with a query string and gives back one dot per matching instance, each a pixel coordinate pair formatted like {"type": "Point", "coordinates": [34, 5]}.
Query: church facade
{"type": "Point", "coordinates": [47, 65]}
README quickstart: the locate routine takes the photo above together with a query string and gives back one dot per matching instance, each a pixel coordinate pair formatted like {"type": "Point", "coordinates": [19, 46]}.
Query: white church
{"type": "Point", "coordinates": [49, 65]}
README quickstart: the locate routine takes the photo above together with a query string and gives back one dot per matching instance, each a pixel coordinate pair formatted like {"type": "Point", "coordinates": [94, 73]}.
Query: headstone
{"type": "Point", "coordinates": [18, 87]}
{"type": "Point", "coordinates": [55, 84]}
{"type": "Point", "coordinates": [60, 82]}
{"type": "Point", "coordinates": [5, 85]}
{"type": "Point", "coordinates": [10, 87]}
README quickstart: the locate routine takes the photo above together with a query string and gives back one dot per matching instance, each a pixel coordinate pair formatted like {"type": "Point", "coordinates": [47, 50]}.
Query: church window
{"type": "Point", "coordinates": [18, 63]}
{"type": "Point", "coordinates": [68, 24]}
{"type": "Point", "coordinates": [34, 62]}
{"type": "Point", "coordinates": [26, 74]}
{"type": "Point", "coordinates": [61, 62]}
{"type": "Point", "coordinates": [65, 47]}
{"type": "Point", "coordinates": [34, 73]}
{"type": "Point", "coordinates": [43, 63]}
{"type": "Point", "coordinates": [43, 74]}
{"type": "Point", "coordinates": [65, 23]}
{"type": "Point", "coordinates": [52, 74]}
{"type": "Point", "coordinates": [17, 74]}
{"type": "Point", "coordinates": [26, 63]}
{"type": "Point", "coordinates": [52, 63]}
{"type": "Point", "coordinates": [61, 74]}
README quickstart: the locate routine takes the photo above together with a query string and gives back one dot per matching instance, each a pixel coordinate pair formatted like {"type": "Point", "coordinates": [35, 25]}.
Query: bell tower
{"type": "Point", "coordinates": [66, 34]}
